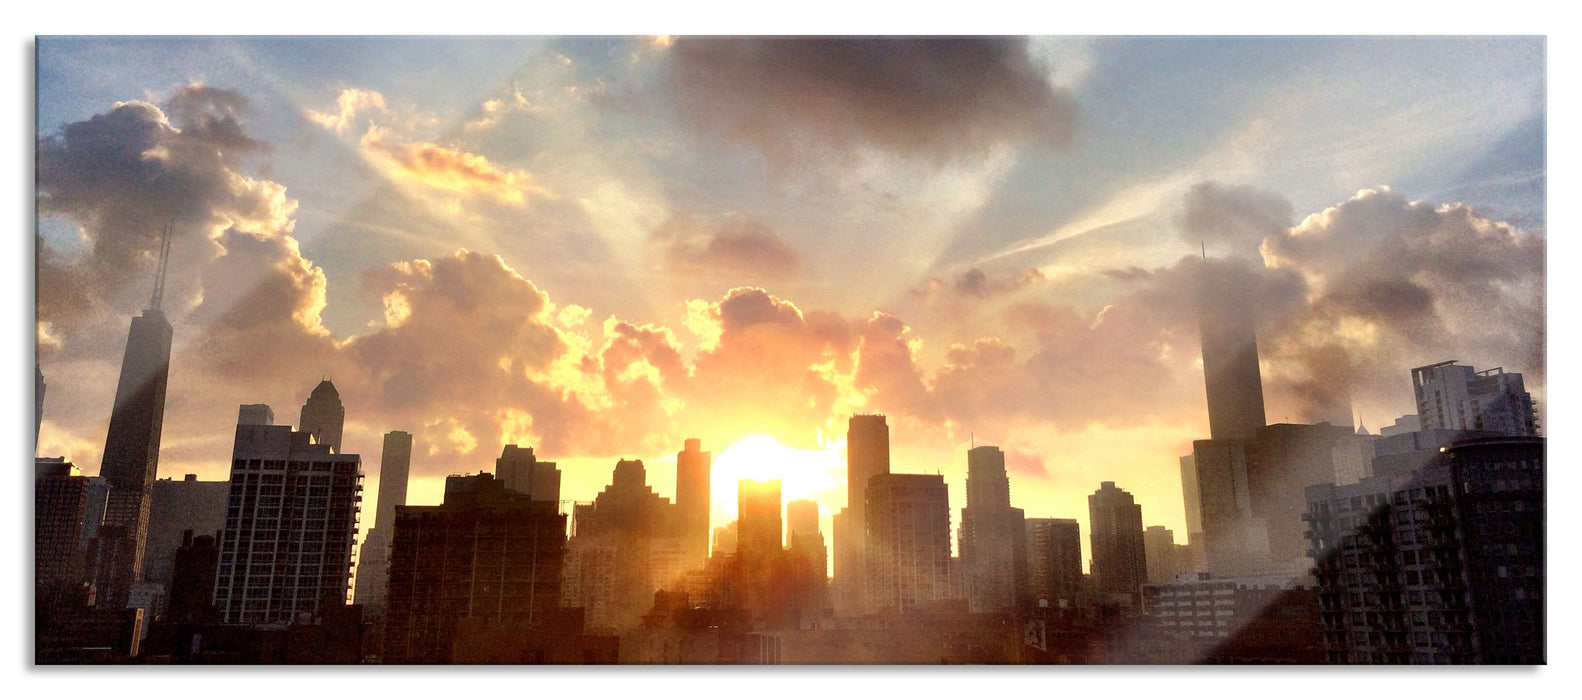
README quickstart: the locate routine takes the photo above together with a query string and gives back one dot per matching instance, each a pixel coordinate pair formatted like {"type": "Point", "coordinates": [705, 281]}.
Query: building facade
{"type": "Point", "coordinates": [993, 536]}
{"type": "Point", "coordinates": [1457, 397]}
{"type": "Point", "coordinates": [1115, 523]}
{"type": "Point", "coordinates": [908, 542]}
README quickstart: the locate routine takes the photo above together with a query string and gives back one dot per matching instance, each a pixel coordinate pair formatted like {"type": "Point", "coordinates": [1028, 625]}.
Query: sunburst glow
{"type": "Point", "coordinates": [818, 474]}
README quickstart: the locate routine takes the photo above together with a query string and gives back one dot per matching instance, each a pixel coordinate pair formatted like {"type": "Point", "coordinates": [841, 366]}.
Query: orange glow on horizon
{"type": "Point", "coordinates": [819, 474]}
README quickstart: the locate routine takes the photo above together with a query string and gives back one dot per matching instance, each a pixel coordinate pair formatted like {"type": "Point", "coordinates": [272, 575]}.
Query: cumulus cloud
{"type": "Point", "coordinates": [450, 169]}
{"type": "Point", "coordinates": [732, 246]}
{"type": "Point", "coordinates": [1232, 220]}
{"type": "Point", "coordinates": [937, 98]}
{"type": "Point", "coordinates": [977, 284]}
{"type": "Point", "coordinates": [348, 104]}
{"type": "Point", "coordinates": [1395, 284]}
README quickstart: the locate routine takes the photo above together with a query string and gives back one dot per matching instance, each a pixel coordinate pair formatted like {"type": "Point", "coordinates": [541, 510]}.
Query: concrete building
{"type": "Point", "coordinates": [908, 542]}
{"type": "Point", "coordinates": [290, 527]}
{"type": "Point", "coordinates": [993, 536]}
{"type": "Point", "coordinates": [1054, 562]}
{"type": "Point", "coordinates": [373, 565]}
{"type": "Point", "coordinates": [1115, 526]}
{"type": "Point", "coordinates": [323, 416]}
{"type": "Point", "coordinates": [1443, 564]}
{"type": "Point", "coordinates": [1456, 397]}
{"type": "Point", "coordinates": [487, 557]}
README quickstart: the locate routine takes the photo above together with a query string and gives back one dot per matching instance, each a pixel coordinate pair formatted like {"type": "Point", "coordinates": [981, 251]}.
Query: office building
{"type": "Point", "coordinates": [610, 567]}
{"type": "Point", "coordinates": [373, 566]}
{"type": "Point", "coordinates": [692, 499]}
{"type": "Point", "coordinates": [1442, 564]}
{"type": "Point", "coordinates": [1115, 526]}
{"type": "Point", "coordinates": [1456, 397]}
{"type": "Point", "coordinates": [290, 527]}
{"type": "Point", "coordinates": [487, 557]}
{"type": "Point", "coordinates": [867, 456]}
{"type": "Point", "coordinates": [60, 498]}
{"type": "Point", "coordinates": [255, 414]}
{"type": "Point", "coordinates": [908, 549]}
{"type": "Point", "coordinates": [176, 507]}
{"type": "Point", "coordinates": [993, 536]}
{"type": "Point", "coordinates": [1164, 558]}
{"type": "Point", "coordinates": [809, 557]}
{"type": "Point", "coordinates": [323, 416]}
{"type": "Point", "coordinates": [131, 455]}
{"type": "Point", "coordinates": [1230, 357]}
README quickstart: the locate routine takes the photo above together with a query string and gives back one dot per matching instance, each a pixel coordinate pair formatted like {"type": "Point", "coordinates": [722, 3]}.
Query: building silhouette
{"type": "Point", "coordinates": [290, 528]}
{"type": "Point", "coordinates": [60, 499]}
{"type": "Point", "coordinates": [908, 550]}
{"type": "Point", "coordinates": [1441, 564]}
{"type": "Point", "coordinates": [809, 556]}
{"type": "Point", "coordinates": [488, 557]}
{"type": "Point", "coordinates": [1456, 397]}
{"type": "Point", "coordinates": [867, 456]}
{"type": "Point", "coordinates": [323, 416]}
{"type": "Point", "coordinates": [176, 507]}
{"type": "Point", "coordinates": [692, 499]}
{"type": "Point", "coordinates": [1163, 557]}
{"type": "Point", "coordinates": [1054, 562]}
{"type": "Point", "coordinates": [1115, 523]}
{"type": "Point", "coordinates": [758, 518]}
{"type": "Point", "coordinates": [131, 451]}
{"type": "Point", "coordinates": [993, 536]}
{"type": "Point", "coordinates": [519, 469]}
{"type": "Point", "coordinates": [373, 566]}
{"type": "Point", "coordinates": [38, 405]}
{"type": "Point", "coordinates": [612, 569]}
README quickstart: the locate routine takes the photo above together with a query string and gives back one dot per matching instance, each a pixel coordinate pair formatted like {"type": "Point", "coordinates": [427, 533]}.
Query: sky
{"type": "Point", "coordinates": [601, 246]}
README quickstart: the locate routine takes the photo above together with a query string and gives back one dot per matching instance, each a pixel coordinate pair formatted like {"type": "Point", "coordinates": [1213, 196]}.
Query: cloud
{"type": "Point", "coordinates": [347, 105]}
{"type": "Point", "coordinates": [1395, 284]}
{"type": "Point", "coordinates": [977, 284]}
{"type": "Point", "coordinates": [732, 246]}
{"type": "Point", "coordinates": [935, 98]}
{"type": "Point", "coordinates": [1233, 219]}
{"type": "Point", "coordinates": [450, 169]}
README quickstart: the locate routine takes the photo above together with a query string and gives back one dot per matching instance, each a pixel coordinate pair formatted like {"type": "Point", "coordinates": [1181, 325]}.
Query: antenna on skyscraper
{"type": "Point", "coordinates": [159, 276]}
{"type": "Point", "coordinates": [1205, 249]}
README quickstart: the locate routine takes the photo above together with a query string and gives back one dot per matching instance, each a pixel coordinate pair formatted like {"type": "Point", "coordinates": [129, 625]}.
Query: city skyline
{"type": "Point", "coordinates": [652, 254]}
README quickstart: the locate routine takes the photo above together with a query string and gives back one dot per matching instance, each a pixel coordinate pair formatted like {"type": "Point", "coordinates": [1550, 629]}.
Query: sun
{"type": "Point", "coordinates": [819, 474]}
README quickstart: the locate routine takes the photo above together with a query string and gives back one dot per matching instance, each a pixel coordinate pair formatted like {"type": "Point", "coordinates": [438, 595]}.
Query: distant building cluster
{"type": "Point", "coordinates": [1304, 544]}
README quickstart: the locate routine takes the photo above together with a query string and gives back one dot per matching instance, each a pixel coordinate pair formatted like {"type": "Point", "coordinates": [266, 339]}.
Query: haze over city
{"type": "Point", "coordinates": [602, 247]}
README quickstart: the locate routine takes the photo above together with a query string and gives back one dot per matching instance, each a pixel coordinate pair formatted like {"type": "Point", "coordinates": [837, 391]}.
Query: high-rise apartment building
{"type": "Point", "coordinates": [487, 557]}
{"type": "Point", "coordinates": [373, 566]}
{"type": "Point", "coordinates": [692, 499]}
{"type": "Point", "coordinates": [1115, 526]}
{"type": "Point", "coordinates": [908, 550]}
{"type": "Point", "coordinates": [1054, 562]}
{"type": "Point", "coordinates": [131, 456]}
{"type": "Point", "coordinates": [290, 527]}
{"type": "Point", "coordinates": [1440, 564]}
{"type": "Point", "coordinates": [323, 416]}
{"type": "Point", "coordinates": [993, 536]}
{"type": "Point", "coordinates": [1456, 397]}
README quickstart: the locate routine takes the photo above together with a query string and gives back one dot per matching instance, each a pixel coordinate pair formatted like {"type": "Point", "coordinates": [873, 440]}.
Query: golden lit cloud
{"type": "Point", "coordinates": [450, 169]}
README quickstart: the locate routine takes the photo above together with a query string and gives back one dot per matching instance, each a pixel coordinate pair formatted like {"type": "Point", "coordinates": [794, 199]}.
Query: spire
{"type": "Point", "coordinates": [159, 277]}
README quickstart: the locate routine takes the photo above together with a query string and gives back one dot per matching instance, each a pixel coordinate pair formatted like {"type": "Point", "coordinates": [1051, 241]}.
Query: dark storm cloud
{"type": "Point", "coordinates": [735, 246]}
{"type": "Point", "coordinates": [940, 98]}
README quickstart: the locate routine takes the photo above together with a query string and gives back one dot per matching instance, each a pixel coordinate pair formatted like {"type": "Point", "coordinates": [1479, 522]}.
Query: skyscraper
{"type": "Point", "coordinates": [908, 552]}
{"type": "Point", "coordinates": [993, 536]}
{"type": "Point", "coordinates": [1115, 526]}
{"type": "Point", "coordinates": [692, 499]}
{"type": "Point", "coordinates": [519, 469]}
{"type": "Point", "coordinates": [373, 566]}
{"type": "Point", "coordinates": [255, 414]}
{"type": "Point", "coordinates": [323, 416]}
{"type": "Point", "coordinates": [60, 498]}
{"type": "Point", "coordinates": [38, 405]}
{"type": "Point", "coordinates": [290, 527]}
{"type": "Point", "coordinates": [758, 519]}
{"type": "Point", "coordinates": [867, 456]}
{"type": "Point", "coordinates": [1456, 397]}
{"type": "Point", "coordinates": [1230, 356]}
{"type": "Point", "coordinates": [131, 449]}
{"type": "Point", "coordinates": [1054, 561]}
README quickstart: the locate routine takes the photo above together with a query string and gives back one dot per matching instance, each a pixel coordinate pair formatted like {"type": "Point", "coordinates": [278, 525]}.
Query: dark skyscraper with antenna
{"type": "Point", "coordinates": [131, 448]}
{"type": "Point", "coordinates": [1230, 355]}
